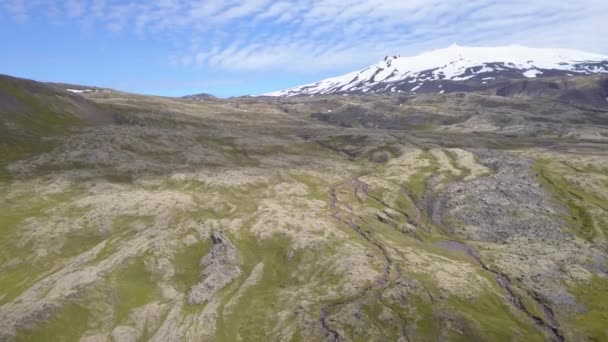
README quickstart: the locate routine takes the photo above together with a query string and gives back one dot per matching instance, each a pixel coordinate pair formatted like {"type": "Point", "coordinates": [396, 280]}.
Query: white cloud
{"type": "Point", "coordinates": [308, 35]}
{"type": "Point", "coordinates": [74, 8]}
{"type": "Point", "coordinates": [16, 8]}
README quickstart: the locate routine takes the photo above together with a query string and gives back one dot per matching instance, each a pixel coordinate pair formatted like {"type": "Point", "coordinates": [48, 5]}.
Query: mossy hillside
{"type": "Point", "coordinates": [238, 200]}
{"type": "Point", "coordinates": [24, 130]}
{"type": "Point", "coordinates": [492, 319]}
{"type": "Point", "coordinates": [389, 150]}
{"type": "Point", "coordinates": [250, 316]}
{"type": "Point", "coordinates": [372, 324]}
{"type": "Point", "coordinates": [350, 145]}
{"type": "Point", "coordinates": [127, 288]}
{"type": "Point", "coordinates": [531, 305]}
{"type": "Point", "coordinates": [424, 320]}
{"type": "Point", "coordinates": [579, 202]}
{"type": "Point", "coordinates": [187, 265]}
{"type": "Point", "coordinates": [134, 286]}
{"type": "Point", "coordinates": [236, 153]}
{"type": "Point", "coordinates": [488, 315]}
{"type": "Point", "coordinates": [18, 276]}
{"type": "Point", "coordinates": [483, 316]}
{"type": "Point", "coordinates": [20, 266]}
{"type": "Point", "coordinates": [68, 324]}
{"type": "Point", "coordinates": [317, 188]}
{"type": "Point", "coordinates": [121, 230]}
{"type": "Point", "coordinates": [19, 208]}
{"type": "Point", "coordinates": [417, 183]}
{"type": "Point", "coordinates": [453, 159]}
{"type": "Point", "coordinates": [593, 322]}
{"type": "Point", "coordinates": [285, 271]}
{"type": "Point", "coordinates": [416, 186]}
{"type": "Point", "coordinates": [397, 197]}
{"type": "Point", "coordinates": [419, 311]}
{"type": "Point", "coordinates": [290, 299]}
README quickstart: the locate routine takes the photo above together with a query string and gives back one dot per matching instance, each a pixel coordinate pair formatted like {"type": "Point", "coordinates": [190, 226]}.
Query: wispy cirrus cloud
{"type": "Point", "coordinates": [306, 35]}
{"type": "Point", "coordinates": [18, 9]}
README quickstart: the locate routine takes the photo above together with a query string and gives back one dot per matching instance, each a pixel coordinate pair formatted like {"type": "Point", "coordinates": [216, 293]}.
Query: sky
{"type": "Point", "coordinates": [240, 47]}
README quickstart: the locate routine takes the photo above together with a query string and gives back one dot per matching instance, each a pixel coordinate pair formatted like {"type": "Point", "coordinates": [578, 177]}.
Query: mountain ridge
{"type": "Point", "coordinates": [456, 68]}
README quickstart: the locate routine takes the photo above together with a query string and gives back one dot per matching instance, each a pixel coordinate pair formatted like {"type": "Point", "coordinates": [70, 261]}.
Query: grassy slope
{"type": "Point", "coordinates": [486, 316]}
{"type": "Point", "coordinates": [32, 112]}
{"type": "Point", "coordinates": [579, 201]}
{"type": "Point", "coordinates": [584, 220]}
{"type": "Point", "coordinates": [37, 115]}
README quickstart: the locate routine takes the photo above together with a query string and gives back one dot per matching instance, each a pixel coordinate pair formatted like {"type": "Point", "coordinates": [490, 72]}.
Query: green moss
{"type": "Point", "coordinates": [123, 223]}
{"type": "Point", "coordinates": [134, 286]}
{"type": "Point", "coordinates": [426, 324]}
{"type": "Point", "coordinates": [239, 200]}
{"type": "Point", "coordinates": [16, 279]}
{"type": "Point", "coordinates": [417, 182]}
{"type": "Point", "coordinates": [230, 149]}
{"type": "Point", "coordinates": [373, 311]}
{"type": "Point", "coordinates": [187, 265]}
{"type": "Point", "coordinates": [66, 325]}
{"type": "Point", "coordinates": [79, 242]}
{"type": "Point", "coordinates": [130, 287]}
{"type": "Point", "coordinates": [108, 249]}
{"type": "Point", "coordinates": [453, 158]}
{"type": "Point", "coordinates": [251, 317]}
{"type": "Point", "coordinates": [419, 310]}
{"type": "Point", "coordinates": [317, 188]}
{"type": "Point", "coordinates": [493, 319]}
{"type": "Point", "coordinates": [296, 337]}
{"type": "Point", "coordinates": [594, 321]}
{"type": "Point", "coordinates": [530, 304]}
{"type": "Point", "coordinates": [582, 220]}
{"type": "Point", "coordinates": [579, 218]}
{"type": "Point", "coordinates": [25, 205]}
{"type": "Point", "coordinates": [486, 317]}
{"type": "Point", "coordinates": [121, 231]}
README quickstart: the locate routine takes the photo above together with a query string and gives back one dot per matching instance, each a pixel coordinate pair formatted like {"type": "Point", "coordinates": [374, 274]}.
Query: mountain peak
{"type": "Point", "coordinates": [451, 68]}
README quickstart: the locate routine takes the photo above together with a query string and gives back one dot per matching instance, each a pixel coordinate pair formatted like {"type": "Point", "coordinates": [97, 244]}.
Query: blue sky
{"type": "Point", "coordinates": [237, 47]}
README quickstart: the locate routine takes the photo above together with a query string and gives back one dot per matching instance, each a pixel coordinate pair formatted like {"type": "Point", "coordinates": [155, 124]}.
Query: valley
{"type": "Point", "coordinates": [367, 217]}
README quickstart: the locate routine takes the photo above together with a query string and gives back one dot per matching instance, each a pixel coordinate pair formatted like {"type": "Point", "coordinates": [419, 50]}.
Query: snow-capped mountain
{"type": "Point", "coordinates": [457, 68]}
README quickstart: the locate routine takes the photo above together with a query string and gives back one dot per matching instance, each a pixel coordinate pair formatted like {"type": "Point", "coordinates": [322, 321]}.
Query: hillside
{"type": "Point", "coordinates": [394, 217]}
{"type": "Point", "coordinates": [32, 113]}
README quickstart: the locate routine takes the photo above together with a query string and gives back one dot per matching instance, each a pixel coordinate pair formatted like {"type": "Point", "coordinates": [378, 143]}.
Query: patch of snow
{"type": "Point", "coordinates": [441, 92]}
{"type": "Point", "coordinates": [533, 73]}
{"type": "Point", "coordinates": [417, 87]}
{"type": "Point", "coordinates": [462, 78]}
{"type": "Point", "coordinates": [80, 91]}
